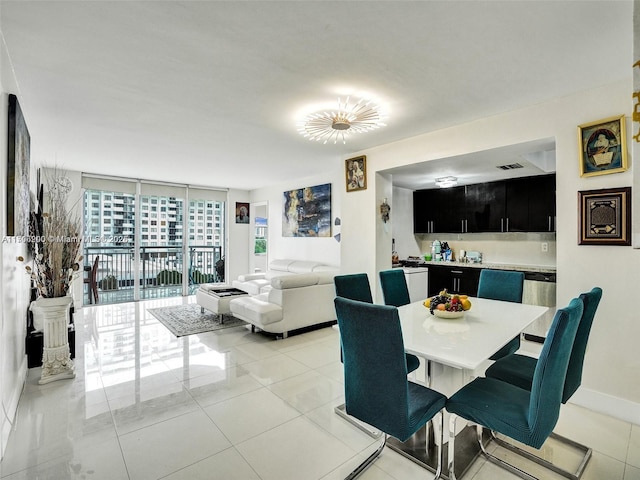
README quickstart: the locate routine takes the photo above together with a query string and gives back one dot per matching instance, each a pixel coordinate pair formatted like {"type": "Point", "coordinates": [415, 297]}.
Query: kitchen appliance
{"type": "Point", "coordinates": [539, 289]}
{"type": "Point", "coordinates": [474, 257]}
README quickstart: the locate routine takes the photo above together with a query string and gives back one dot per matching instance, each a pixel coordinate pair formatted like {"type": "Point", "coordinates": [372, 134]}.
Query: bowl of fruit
{"type": "Point", "coordinates": [447, 305]}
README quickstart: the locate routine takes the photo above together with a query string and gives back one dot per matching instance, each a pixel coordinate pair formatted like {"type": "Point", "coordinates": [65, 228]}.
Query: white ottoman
{"type": "Point", "coordinates": [216, 298]}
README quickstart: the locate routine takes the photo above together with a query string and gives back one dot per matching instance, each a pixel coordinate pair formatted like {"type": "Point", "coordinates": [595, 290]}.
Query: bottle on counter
{"type": "Point", "coordinates": [436, 252]}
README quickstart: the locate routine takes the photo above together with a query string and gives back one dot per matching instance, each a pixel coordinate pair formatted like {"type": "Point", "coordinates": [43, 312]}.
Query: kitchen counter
{"type": "Point", "coordinates": [496, 266]}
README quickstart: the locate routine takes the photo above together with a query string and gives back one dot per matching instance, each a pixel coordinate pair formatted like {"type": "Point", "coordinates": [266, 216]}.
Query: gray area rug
{"type": "Point", "coordinates": [184, 320]}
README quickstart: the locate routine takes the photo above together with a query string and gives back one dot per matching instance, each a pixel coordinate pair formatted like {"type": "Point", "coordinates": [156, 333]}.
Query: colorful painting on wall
{"type": "Point", "coordinates": [18, 195]}
{"type": "Point", "coordinates": [306, 212]}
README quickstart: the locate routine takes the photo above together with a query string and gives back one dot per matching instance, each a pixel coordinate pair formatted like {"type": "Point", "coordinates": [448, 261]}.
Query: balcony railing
{"type": "Point", "coordinates": [160, 270]}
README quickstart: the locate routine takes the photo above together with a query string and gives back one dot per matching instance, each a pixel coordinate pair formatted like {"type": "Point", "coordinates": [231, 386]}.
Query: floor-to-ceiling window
{"type": "Point", "coordinates": [151, 240]}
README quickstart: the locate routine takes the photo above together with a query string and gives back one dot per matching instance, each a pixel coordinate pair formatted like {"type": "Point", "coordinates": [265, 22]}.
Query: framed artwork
{"type": "Point", "coordinates": [19, 151]}
{"type": "Point", "coordinates": [356, 173]}
{"type": "Point", "coordinates": [306, 212]}
{"type": "Point", "coordinates": [603, 147]}
{"type": "Point", "coordinates": [242, 212]}
{"type": "Point", "coordinates": [605, 216]}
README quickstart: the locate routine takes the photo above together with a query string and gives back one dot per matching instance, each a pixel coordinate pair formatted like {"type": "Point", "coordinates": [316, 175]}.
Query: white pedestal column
{"type": "Point", "coordinates": [53, 314]}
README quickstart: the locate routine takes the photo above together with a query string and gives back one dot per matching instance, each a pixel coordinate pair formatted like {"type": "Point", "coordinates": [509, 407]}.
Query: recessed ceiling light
{"type": "Point", "coordinates": [446, 182]}
{"type": "Point", "coordinates": [347, 119]}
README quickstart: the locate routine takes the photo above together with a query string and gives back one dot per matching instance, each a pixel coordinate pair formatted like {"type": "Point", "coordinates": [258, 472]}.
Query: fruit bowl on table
{"type": "Point", "coordinates": [448, 314]}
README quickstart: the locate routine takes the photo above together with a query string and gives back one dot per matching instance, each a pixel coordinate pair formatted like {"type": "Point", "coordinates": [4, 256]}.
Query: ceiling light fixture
{"type": "Point", "coordinates": [359, 117]}
{"type": "Point", "coordinates": [446, 182]}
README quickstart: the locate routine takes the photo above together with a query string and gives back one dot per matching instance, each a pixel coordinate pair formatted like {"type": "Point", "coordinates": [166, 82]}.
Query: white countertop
{"type": "Point", "coordinates": [497, 266]}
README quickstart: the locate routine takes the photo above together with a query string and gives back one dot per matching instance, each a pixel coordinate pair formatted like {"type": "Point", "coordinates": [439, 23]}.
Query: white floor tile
{"type": "Point", "coordinates": [631, 473]}
{"type": "Point", "coordinates": [307, 391]}
{"type": "Point", "coordinates": [316, 355]}
{"type": "Point", "coordinates": [295, 450]}
{"type": "Point", "coordinates": [250, 414]}
{"type": "Point", "coordinates": [95, 461]}
{"type": "Point", "coordinates": [275, 369]}
{"type": "Point", "coordinates": [169, 446]}
{"type": "Point", "coordinates": [227, 465]}
{"type": "Point", "coordinates": [633, 455]}
{"type": "Point", "coordinates": [222, 385]}
{"type": "Point", "coordinates": [602, 433]}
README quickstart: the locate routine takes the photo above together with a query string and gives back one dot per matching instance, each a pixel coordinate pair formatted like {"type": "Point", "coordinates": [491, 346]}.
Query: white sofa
{"type": "Point", "coordinates": [292, 302]}
{"type": "Point", "coordinates": [256, 283]}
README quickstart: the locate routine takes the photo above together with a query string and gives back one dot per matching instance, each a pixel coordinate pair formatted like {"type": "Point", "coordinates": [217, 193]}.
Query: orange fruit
{"type": "Point", "coordinates": [440, 306]}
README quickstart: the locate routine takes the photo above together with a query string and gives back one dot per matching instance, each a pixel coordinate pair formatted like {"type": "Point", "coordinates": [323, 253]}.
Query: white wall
{"type": "Point", "coordinates": [615, 269]}
{"type": "Point", "coordinates": [14, 283]}
{"type": "Point", "coordinates": [325, 250]}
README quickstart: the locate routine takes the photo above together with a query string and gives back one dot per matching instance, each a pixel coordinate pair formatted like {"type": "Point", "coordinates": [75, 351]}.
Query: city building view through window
{"type": "Point", "coordinates": [159, 246]}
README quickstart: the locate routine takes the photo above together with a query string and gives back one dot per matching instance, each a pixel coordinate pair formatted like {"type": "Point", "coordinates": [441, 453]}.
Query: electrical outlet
{"type": "Point", "coordinates": [545, 247]}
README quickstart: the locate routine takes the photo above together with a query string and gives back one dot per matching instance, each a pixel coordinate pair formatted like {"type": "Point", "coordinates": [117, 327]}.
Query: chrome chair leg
{"type": "Point", "coordinates": [586, 455]}
{"type": "Point", "coordinates": [341, 411]}
{"type": "Point", "coordinates": [367, 463]}
{"type": "Point", "coordinates": [498, 461]}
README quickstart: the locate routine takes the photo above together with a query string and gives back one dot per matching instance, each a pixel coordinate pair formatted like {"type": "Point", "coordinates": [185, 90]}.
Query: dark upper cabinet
{"type": "Point", "coordinates": [485, 207]}
{"type": "Point", "coordinates": [531, 204]}
{"type": "Point", "coordinates": [438, 210]}
{"type": "Point", "coordinates": [517, 205]}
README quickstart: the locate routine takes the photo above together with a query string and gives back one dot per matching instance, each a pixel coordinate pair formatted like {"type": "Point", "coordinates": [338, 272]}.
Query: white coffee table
{"type": "Point", "coordinates": [216, 298]}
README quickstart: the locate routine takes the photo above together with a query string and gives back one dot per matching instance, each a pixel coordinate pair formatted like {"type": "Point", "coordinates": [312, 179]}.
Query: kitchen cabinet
{"type": "Point", "coordinates": [455, 279]}
{"type": "Point", "coordinates": [531, 204]}
{"type": "Point", "coordinates": [516, 205]}
{"type": "Point", "coordinates": [485, 207]}
{"type": "Point", "coordinates": [438, 210]}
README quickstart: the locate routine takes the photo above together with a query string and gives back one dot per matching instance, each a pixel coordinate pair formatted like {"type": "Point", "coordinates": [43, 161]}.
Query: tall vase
{"type": "Point", "coordinates": [53, 313]}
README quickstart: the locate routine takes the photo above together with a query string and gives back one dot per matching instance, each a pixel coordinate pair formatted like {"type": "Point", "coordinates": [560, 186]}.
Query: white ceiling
{"type": "Point", "coordinates": [208, 92]}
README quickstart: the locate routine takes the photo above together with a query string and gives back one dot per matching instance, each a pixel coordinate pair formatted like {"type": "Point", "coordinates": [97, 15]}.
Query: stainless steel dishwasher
{"type": "Point", "coordinates": [539, 289]}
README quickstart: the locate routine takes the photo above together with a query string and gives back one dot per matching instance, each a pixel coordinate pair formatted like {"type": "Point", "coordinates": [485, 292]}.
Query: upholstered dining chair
{"type": "Point", "coordinates": [525, 416]}
{"type": "Point", "coordinates": [502, 285]}
{"type": "Point", "coordinates": [394, 287]}
{"type": "Point", "coordinates": [377, 390]}
{"type": "Point", "coordinates": [519, 370]}
{"type": "Point", "coordinates": [91, 281]}
{"type": "Point", "coordinates": [356, 287]}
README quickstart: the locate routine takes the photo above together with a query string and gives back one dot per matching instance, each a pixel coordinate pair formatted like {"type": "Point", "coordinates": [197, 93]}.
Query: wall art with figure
{"type": "Point", "coordinates": [306, 212]}
{"type": "Point", "coordinates": [18, 184]}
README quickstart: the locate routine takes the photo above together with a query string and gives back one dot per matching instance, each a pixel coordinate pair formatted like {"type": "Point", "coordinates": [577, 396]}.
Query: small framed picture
{"type": "Point", "coordinates": [356, 173]}
{"type": "Point", "coordinates": [242, 212]}
{"type": "Point", "coordinates": [605, 216]}
{"type": "Point", "coordinates": [603, 147]}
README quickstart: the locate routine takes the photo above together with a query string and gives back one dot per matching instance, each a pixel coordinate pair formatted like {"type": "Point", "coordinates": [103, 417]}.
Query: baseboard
{"type": "Point", "coordinates": [616, 407]}
{"type": "Point", "coordinates": [11, 408]}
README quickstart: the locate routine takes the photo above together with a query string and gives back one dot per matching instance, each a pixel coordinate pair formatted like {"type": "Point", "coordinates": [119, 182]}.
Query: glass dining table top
{"type": "Point", "coordinates": [468, 341]}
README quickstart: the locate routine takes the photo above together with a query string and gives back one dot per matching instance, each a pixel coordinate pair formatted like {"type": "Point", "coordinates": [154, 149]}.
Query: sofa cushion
{"type": "Point", "coordinates": [325, 268]}
{"type": "Point", "coordinates": [252, 287]}
{"type": "Point", "coordinates": [302, 266]}
{"type": "Point", "coordinates": [256, 311]}
{"type": "Point", "coordinates": [281, 265]}
{"type": "Point", "coordinates": [294, 281]}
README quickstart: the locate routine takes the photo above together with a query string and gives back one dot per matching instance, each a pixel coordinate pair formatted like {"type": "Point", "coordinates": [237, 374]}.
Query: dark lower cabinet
{"type": "Point", "coordinates": [462, 280]}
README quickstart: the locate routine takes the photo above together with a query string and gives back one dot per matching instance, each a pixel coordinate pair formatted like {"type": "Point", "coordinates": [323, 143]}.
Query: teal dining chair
{"type": "Point", "coordinates": [394, 287]}
{"type": "Point", "coordinates": [502, 285]}
{"type": "Point", "coordinates": [527, 416]}
{"type": "Point", "coordinates": [377, 390]}
{"type": "Point", "coordinates": [356, 287]}
{"type": "Point", "coordinates": [519, 370]}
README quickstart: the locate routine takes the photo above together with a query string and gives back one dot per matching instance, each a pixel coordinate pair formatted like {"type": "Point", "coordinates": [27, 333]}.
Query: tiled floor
{"type": "Point", "coordinates": [228, 405]}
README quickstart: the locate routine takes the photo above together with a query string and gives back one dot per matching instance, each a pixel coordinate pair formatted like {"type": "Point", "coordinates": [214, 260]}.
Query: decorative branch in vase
{"type": "Point", "coordinates": [57, 258]}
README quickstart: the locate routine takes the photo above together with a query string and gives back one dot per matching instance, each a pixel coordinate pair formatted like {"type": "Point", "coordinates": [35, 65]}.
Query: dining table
{"type": "Point", "coordinates": [456, 350]}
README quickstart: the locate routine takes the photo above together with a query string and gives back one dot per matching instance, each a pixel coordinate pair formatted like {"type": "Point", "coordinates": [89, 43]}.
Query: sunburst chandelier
{"type": "Point", "coordinates": [348, 119]}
